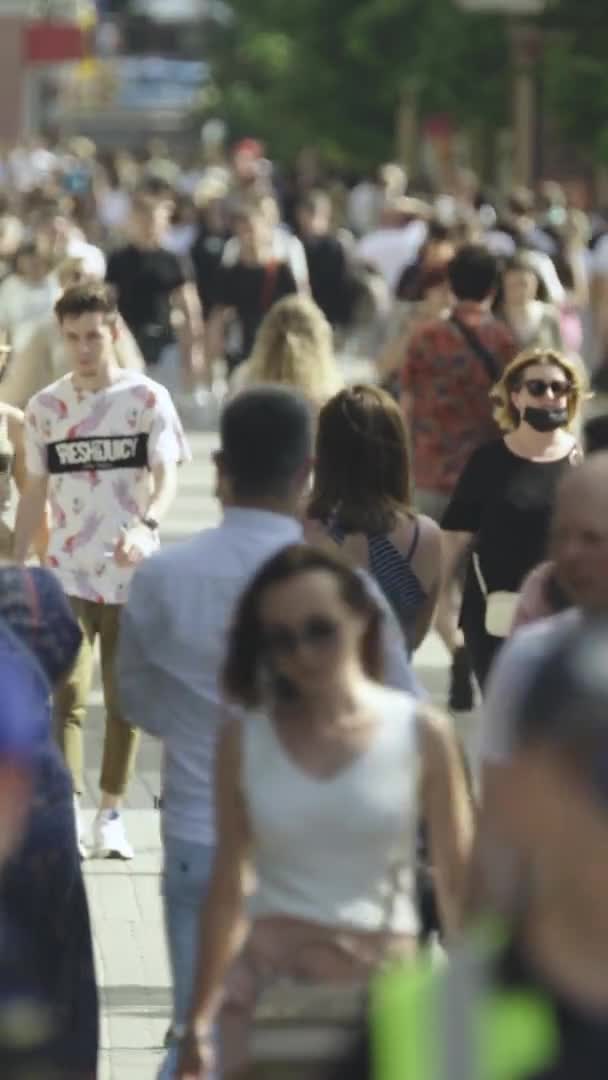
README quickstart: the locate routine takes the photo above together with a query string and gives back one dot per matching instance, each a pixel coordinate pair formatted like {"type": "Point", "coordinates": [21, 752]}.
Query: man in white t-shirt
{"type": "Point", "coordinates": [397, 241]}
{"type": "Point", "coordinates": [26, 296]}
{"type": "Point", "coordinates": [102, 446]}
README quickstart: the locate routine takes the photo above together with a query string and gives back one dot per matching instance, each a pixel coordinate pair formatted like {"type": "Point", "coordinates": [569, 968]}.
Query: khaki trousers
{"type": "Point", "coordinates": [71, 700]}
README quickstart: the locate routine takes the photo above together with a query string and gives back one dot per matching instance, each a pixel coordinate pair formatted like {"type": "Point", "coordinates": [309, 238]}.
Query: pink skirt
{"type": "Point", "coordinates": [279, 948]}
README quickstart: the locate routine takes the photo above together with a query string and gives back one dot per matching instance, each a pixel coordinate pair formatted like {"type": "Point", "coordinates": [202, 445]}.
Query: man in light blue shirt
{"type": "Point", "coordinates": [173, 638]}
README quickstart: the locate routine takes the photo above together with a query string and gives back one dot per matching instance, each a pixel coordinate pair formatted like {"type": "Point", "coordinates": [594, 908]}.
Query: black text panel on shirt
{"type": "Point", "coordinates": [98, 452]}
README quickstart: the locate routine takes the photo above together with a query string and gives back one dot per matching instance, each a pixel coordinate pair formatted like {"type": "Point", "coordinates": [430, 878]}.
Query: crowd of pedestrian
{"type": "Point", "coordinates": [320, 818]}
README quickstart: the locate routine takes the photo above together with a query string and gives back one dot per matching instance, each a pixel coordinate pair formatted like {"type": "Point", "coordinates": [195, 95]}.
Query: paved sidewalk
{"type": "Point", "coordinates": [124, 897]}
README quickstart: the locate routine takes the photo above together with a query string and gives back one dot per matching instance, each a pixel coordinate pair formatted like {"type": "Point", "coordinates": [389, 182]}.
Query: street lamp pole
{"type": "Point", "coordinates": [526, 42]}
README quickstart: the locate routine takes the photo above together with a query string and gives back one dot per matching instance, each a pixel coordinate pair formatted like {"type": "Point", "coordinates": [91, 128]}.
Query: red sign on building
{"type": "Point", "coordinates": [53, 42]}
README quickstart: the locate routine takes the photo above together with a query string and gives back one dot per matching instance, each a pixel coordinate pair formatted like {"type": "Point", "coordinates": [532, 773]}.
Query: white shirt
{"type": "Point", "coordinates": [173, 640]}
{"type": "Point", "coordinates": [392, 250]}
{"type": "Point", "coordinates": [286, 247]}
{"type": "Point", "coordinates": [98, 449]}
{"type": "Point", "coordinates": [511, 675]}
{"type": "Point", "coordinates": [313, 861]}
{"type": "Point", "coordinates": [23, 305]}
{"type": "Point", "coordinates": [92, 256]}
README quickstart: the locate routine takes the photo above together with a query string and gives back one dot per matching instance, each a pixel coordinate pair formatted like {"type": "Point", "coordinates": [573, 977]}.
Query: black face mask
{"type": "Point", "coordinates": [545, 419]}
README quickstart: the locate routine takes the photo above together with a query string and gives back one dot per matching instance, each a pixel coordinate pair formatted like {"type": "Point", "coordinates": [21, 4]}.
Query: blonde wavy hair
{"type": "Point", "coordinates": [294, 347]}
{"type": "Point", "coordinates": [505, 413]}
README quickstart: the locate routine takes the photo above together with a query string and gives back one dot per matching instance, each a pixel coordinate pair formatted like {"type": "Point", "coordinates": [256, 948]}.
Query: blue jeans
{"type": "Point", "coordinates": [186, 875]}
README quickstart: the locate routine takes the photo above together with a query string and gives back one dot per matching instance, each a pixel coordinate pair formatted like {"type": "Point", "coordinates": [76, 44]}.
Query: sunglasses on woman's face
{"type": "Point", "coordinates": [317, 632]}
{"type": "Point", "coordinates": [538, 388]}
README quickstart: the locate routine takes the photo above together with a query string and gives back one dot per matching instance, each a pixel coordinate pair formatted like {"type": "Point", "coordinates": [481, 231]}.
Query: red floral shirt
{"type": "Point", "coordinates": [448, 387]}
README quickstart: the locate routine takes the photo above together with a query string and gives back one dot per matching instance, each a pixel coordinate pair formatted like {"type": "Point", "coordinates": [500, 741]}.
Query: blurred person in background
{"type": "Point", "coordinates": [334, 893]}
{"type": "Point", "coordinates": [248, 288]}
{"type": "Point", "coordinates": [45, 357]}
{"type": "Point", "coordinates": [156, 298]}
{"type": "Point", "coordinates": [293, 347]}
{"type": "Point", "coordinates": [329, 263]}
{"type": "Point", "coordinates": [57, 237]}
{"type": "Point", "coordinates": [450, 367]}
{"type": "Point", "coordinates": [27, 295]}
{"type": "Point", "coordinates": [286, 246]}
{"type": "Point", "coordinates": [361, 503]}
{"type": "Point", "coordinates": [437, 252]}
{"type": "Point", "coordinates": [516, 231]}
{"type": "Point", "coordinates": [13, 477]}
{"type": "Point", "coordinates": [522, 305]}
{"type": "Point", "coordinates": [572, 260]}
{"type": "Point", "coordinates": [250, 172]}
{"type": "Point", "coordinates": [12, 235]}
{"type": "Point", "coordinates": [113, 201]}
{"type": "Point", "coordinates": [210, 240]}
{"type": "Point", "coordinates": [423, 294]}
{"type": "Point", "coordinates": [525, 996]}
{"type": "Point", "coordinates": [181, 234]}
{"type": "Point", "coordinates": [435, 302]}
{"type": "Point", "coordinates": [396, 242]}
{"type": "Point", "coordinates": [500, 512]}
{"type": "Point", "coordinates": [42, 893]}
{"type": "Point", "coordinates": [367, 199]}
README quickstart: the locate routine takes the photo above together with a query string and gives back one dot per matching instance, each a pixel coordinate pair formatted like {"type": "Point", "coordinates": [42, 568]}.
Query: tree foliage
{"type": "Point", "coordinates": [311, 72]}
{"type": "Point", "coordinates": [576, 72]}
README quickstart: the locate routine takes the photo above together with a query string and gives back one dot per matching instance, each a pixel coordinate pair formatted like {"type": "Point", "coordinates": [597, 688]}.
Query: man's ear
{"type": "Point", "coordinates": [222, 480]}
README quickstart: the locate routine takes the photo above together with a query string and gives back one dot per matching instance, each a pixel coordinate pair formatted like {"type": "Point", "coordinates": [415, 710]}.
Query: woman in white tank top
{"type": "Point", "coordinates": [319, 788]}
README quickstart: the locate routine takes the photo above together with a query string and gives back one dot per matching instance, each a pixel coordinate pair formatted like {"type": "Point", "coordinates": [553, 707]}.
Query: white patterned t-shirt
{"type": "Point", "coordinates": [98, 449]}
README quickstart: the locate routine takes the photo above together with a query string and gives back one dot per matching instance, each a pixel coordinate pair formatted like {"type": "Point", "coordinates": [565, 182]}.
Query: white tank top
{"type": "Point", "coordinates": [341, 851]}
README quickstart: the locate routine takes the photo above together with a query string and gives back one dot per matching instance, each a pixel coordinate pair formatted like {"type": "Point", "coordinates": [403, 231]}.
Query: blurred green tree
{"type": "Point", "coordinates": [576, 72]}
{"type": "Point", "coordinates": [310, 72]}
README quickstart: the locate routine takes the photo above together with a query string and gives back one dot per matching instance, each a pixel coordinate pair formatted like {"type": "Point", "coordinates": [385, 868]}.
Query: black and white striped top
{"type": "Point", "coordinates": [393, 572]}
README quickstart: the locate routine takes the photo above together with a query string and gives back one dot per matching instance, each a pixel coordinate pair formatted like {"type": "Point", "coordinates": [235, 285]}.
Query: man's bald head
{"type": "Point", "coordinates": [589, 478]}
{"type": "Point", "coordinates": [579, 533]}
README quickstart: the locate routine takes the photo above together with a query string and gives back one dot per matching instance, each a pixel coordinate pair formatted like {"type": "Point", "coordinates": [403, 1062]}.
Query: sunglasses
{"type": "Point", "coordinates": [538, 387]}
{"type": "Point", "coordinates": [317, 632]}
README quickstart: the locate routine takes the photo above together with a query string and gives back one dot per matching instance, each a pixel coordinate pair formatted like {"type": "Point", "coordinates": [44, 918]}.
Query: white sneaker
{"type": "Point", "coordinates": [109, 837]}
{"type": "Point", "coordinates": [82, 848]}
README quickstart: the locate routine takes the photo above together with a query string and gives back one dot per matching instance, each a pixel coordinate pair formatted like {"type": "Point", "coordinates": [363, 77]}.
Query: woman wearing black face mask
{"type": "Point", "coordinates": [502, 505]}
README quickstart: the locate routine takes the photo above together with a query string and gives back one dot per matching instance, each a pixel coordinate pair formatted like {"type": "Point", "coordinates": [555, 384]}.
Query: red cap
{"type": "Point", "coordinates": [249, 148]}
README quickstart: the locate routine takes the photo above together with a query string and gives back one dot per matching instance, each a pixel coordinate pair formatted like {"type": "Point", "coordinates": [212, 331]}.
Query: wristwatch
{"type": "Point", "coordinates": [150, 523]}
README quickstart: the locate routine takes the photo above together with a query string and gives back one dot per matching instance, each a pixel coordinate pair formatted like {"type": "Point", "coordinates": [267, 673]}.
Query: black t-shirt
{"type": "Point", "coordinates": [144, 281]}
{"type": "Point", "coordinates": [582, 1052]}
{"type": "Point", "coordinates": [506, 501]}
{"type": "Point", "coordinates": [206, 256]}
{"type": "Point", "coordinates": [251, 291]}
{"type": "Point", "coordinates": [330, 282]}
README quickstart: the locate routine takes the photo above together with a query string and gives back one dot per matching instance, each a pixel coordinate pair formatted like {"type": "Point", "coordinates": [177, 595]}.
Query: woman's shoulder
{"type": "Point", "coordinates": [394, 706]}
{"type": "Point", "coordinates": [415, 534]}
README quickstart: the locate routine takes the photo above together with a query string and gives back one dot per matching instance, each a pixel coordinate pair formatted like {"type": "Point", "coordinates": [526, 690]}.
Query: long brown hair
{"type": "Point", "coordinates": [362, 470]}
{"type": "Point", "coordinates": [244, 656]}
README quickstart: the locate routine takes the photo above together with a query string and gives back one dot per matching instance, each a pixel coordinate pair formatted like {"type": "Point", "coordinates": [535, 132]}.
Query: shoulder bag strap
{"type": "Point", "coordinates": [270, 276]}
{"type": "Point", "coordinates": [477, 346]}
